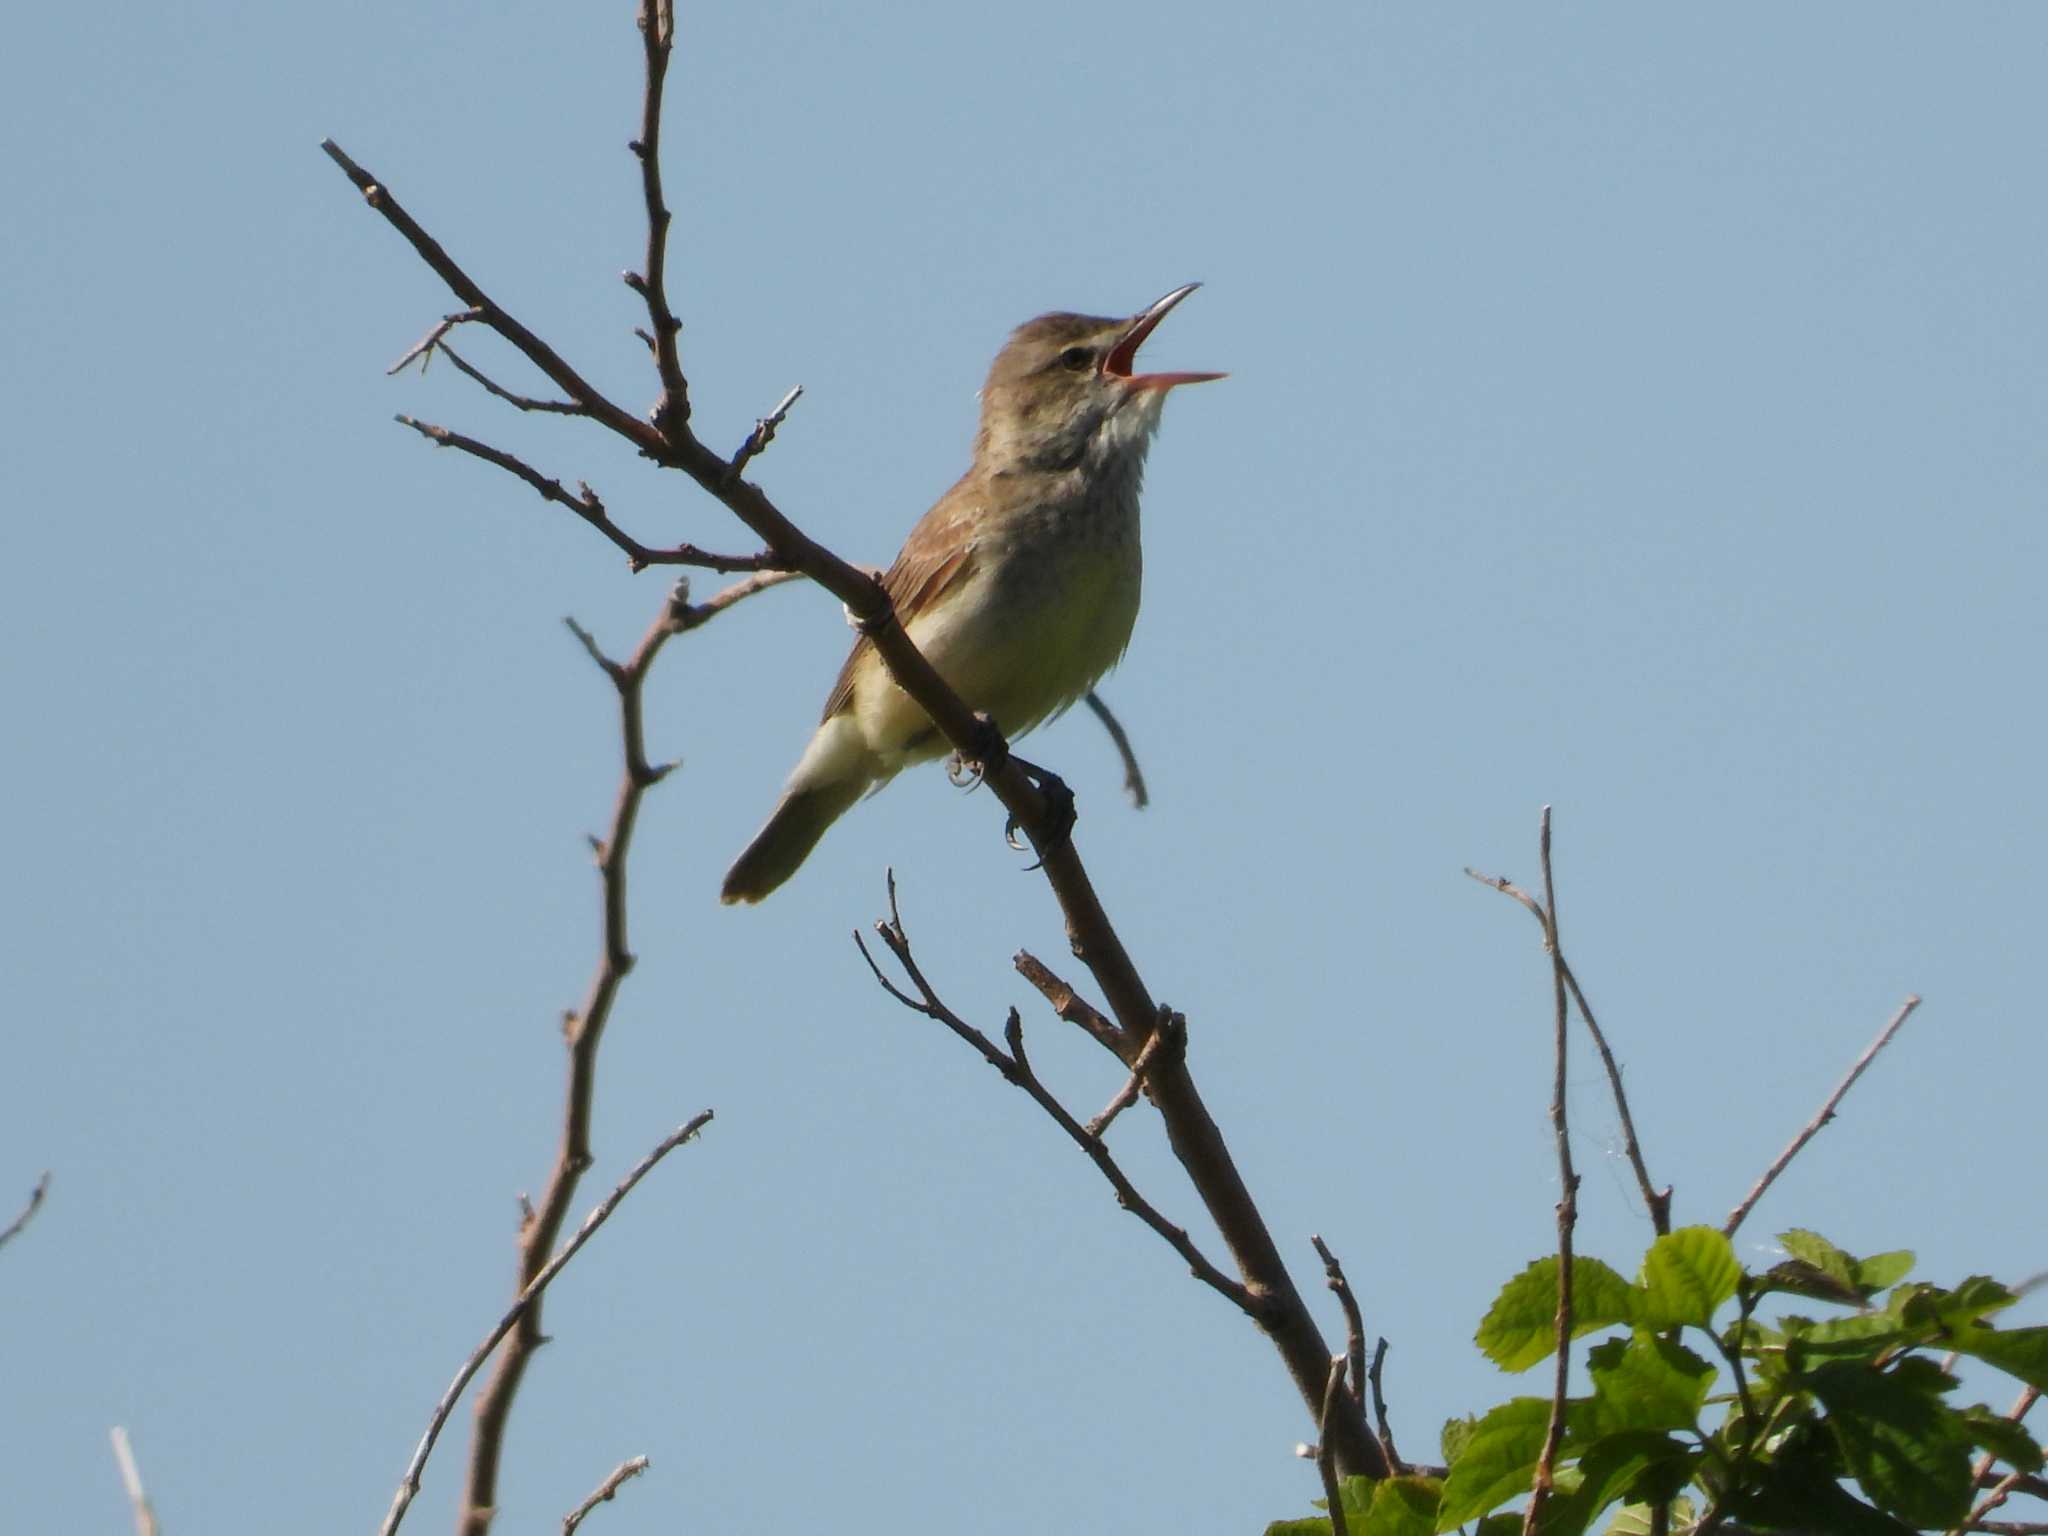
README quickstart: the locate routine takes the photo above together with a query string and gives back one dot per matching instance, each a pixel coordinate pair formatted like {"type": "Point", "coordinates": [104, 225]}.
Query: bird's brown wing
{"type": "Point", "coordinates": [938, 555]}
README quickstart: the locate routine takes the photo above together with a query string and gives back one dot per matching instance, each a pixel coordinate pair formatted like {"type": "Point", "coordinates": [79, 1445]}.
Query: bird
{"type": "Point", "coordinates": [1020, 585]}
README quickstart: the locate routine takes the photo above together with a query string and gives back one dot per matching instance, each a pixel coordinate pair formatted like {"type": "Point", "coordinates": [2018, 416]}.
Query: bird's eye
{"type": "Point", "coordinates": [1074, 359]}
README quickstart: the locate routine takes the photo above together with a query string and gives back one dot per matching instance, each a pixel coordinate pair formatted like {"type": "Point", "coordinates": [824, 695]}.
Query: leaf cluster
{"type": "Point", "coordinates": [1842, 1423]}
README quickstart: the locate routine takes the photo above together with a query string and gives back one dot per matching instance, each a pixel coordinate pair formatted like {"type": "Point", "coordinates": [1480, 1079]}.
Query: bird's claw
{"type": "Point", "coordinates": [1060, 815]}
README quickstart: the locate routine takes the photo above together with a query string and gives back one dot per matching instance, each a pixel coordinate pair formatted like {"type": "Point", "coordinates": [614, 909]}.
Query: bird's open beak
{"type": "Point", "coordinates": [1117, 362]}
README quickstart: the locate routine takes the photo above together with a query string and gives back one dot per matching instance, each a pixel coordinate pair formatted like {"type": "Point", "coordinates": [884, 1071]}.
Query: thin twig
{"type": "Point", "coordinates": [1656, 1201]}
{"type": "Point", "coordinates": [1568, 1199]}
{"type": "Point", "coordinates": [1981, 1473]}
{"type": "Point", "coordinates": [131, 1481]}
{"type": "Point", "coordinates": [521, 1309]}
{"type": "Point", "coordinates": [489, 312]}
{"type": "Point", "coordinates": [1545, 913]}
{"type": "Point", "coordinates": [745, 587]}
{"type": "Point", "coordinates": [1016, 1068]}
{"type": "Point", "coordinates": [1134, 778]}
{"type": "Point", "coordinates": [1354, 1321]}
{"type": "Point", "coordinates": [424, 348]}
{"type": "Point", "coordinates": [590, 507]}
{"type": "Point", "coordinates": [1379, 1409]}
{"type": "Point", "coordinates": [1334, 1393]}
{"type": "Point", "coordinates": [657, 22]}
{"type": "Point", "coordinates": [1827, 1112]}
{"type": "Point", "coordinates": [2000, 1492]}
{"type": "Point", "coordinates": [493, 387]}
{"type": "Point", "coordinates": [1171, 1035]}
{"type": "Point", "coordinates": [603, 1493]}
{"type": "Point", "coordinates": [764, 431]}
{"type": "Point", "coordinates": [1076, 1009]}
{"type": "Point", "coordinates": [540, 1227]}
{"type": "Point", "coordinates": [35, 1203]}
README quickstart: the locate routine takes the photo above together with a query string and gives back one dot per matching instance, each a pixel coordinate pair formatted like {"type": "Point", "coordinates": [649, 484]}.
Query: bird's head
{"type": "Point", "coordinates": [1064, 390]}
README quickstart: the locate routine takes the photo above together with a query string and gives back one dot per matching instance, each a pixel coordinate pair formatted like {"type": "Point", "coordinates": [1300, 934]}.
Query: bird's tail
{"type": "Point", "coordinates": [834, 773]}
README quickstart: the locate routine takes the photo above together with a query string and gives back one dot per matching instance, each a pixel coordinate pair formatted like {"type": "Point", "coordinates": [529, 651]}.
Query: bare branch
{"type": "Point", "coordinates": [583, 1031]}
{"type": "Point", "coordinates": [1074, 1008]}
{"type": "Point", "coordinates": [588, 506]}
{"type": "Point", "coordinates": [2000, 1491]}
{"type": "Point", "coordinates": [1545, 913]}
{"type": "Point", "coordinates": [1568, 1198]}
{"type": "Point", "coordinates": [1354, 1321]}
{"type": "Point", "coordinates": [1379, 1410]}
{"type": "Point", "coordinates": [1980, 1474]}
{"type": "Point", "coordinates": [1134, 778]}
{"type": "Point", "coordinates": [657, 20]}
{"type": "Point", "coordinates": [35, 1203]}
{"type": "Point", "coordinates": [1016, 1068]}
{"type": "Point", "coordinates": [764, 432]}
{"type": "Point", "coordinates": [521, 1310]}
{"type": "Point", "coordinates": [1827, 1112]}
{"type": "Point", "coordinates": [423, 349]}
{"type": "Point", "coordinates": [739, 591]}
{"type": "Point", "coordinates": [489, 313]}
{"type": "Point", "coordinates": [1334, 1394]}
{"type": "Point", "coordinates": [603, 1493]}
{"type": "Point", "coordinates": [1656, 1201]}
{"type": "Point", "coordinates": [492, 387]}
{"type": "Point", "coordinates": [131, 1481]}
{"type": "Point", "coordinates": [1171, 1035]}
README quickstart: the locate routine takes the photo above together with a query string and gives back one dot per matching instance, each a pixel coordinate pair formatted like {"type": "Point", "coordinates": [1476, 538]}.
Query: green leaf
{"type": "Point", "coordinates": [1812, 1248]}
{"type": "Point", "coordinates": [1799, 1488]}
{"type": "Point", "coordinates": [1686, 1274]}
{"type": "Point", "coordinates": [2021, 1352]}
{"type": "Point", "coordinates": [1932, 1310]}
{"type": "Point", "coordinates": [1634, 1519]}
{"type": "Point", "coordinates": [1496, 1462]}
{"type": "Point", "coordinates": [1520, 1328]}
{"type": "Point", "coordinates": [1403, 1506]}
{"type": "Point", "coordinates": [2004, 1438]}
{"type": "Point", "coordinates": [1647, 1382]}
{"type": "Point", "coordinates": [1457, 1433]}
{"type": "Point", "coordinates": [1906, 1447]}
{"type": "Point", "coordinates": [1883, 1269]}
{"type": "Point", "coordinates": [1499, 1525]}
{"type": "Point", "coordinates": [1796, 1277]}
{"type": "Point", "coordinates": [1632, 1464]}
{"type": "Point", "coordinates": [1867, 1334]}
{"type": "Point", "coordinates": [1354, 1493]}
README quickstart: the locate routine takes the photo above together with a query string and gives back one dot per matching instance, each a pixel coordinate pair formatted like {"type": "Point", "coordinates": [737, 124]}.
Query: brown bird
{"type": "Point", "coordinates": [1020, 586]}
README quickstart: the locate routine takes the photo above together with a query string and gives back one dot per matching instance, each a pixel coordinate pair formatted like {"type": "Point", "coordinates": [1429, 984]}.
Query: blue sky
{"type": "Point", "coordinates": [1631, 410]}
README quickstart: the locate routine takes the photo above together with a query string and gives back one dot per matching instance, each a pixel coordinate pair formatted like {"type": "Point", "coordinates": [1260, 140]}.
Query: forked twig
{"type": "Point", "coordinates": [1015, 1066]}
{"type": "Point", "coordinates": [1812, 1127]}
{"type": "Point", "coordinates": [521, 1308]}
{"type": "Point", "coordinates": [1545, 913]}
{"type": "Point", "coordinates": [587, 505]}
{"type": "Point", "coordinates": [1656, 1201]}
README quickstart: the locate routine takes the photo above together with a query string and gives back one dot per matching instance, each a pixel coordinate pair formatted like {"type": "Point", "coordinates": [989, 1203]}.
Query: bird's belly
{"type": "Point", "coordinates": [1025, 637]}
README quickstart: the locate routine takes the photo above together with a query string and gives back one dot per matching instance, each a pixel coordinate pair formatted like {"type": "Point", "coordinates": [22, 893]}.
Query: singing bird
{"type": "Point", "coordinates": [1020, 586]}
